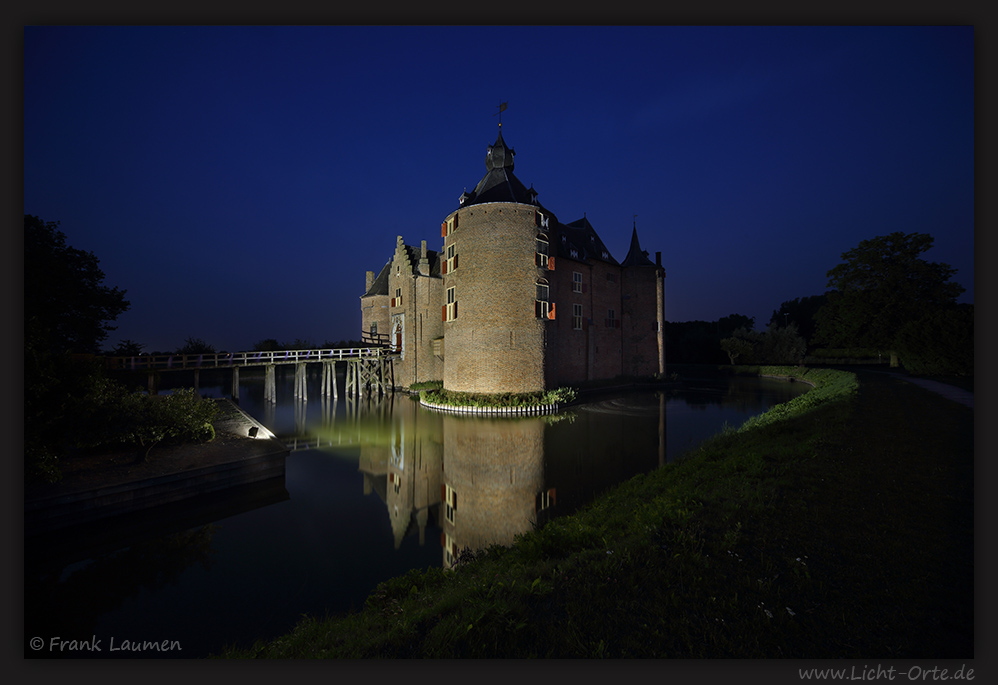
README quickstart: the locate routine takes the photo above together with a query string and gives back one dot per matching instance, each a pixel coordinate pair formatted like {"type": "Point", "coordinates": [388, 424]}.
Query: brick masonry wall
{"type": "Point", "coordinates": [496, 468]}
{"type": "Point", "coordinates": [607, 340]}
{"type": "Point", "coordinates": [374, 309]}
{"type": "Point", "coordinates": [639, 338]}
{"type": "Point", "coordinates": [496, 344]}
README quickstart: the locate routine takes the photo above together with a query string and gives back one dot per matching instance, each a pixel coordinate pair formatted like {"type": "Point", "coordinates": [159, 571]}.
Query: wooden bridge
{"type": "Point", "coordinates": [368, 369]}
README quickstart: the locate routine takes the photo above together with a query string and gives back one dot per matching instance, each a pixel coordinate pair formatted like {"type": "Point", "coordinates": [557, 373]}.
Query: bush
{"type": "Point", "coordinates": [113, 416]}
{"type": "Point", "coordinates": [505, 399]}
{"type": "Point", "coordinates": [939, 343]}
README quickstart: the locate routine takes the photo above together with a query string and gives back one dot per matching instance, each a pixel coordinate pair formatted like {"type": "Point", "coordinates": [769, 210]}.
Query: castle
{"type": "Point", "coordinates": [515, 301]}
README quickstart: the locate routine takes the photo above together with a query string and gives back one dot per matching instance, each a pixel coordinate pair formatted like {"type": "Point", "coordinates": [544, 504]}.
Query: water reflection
{"type": "Point", "coordinates": [485, 481]}
{"type": "Point", "coordinates": [382, 487]}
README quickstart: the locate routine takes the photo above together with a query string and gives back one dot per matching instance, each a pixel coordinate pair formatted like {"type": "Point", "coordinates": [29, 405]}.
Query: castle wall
{"type": "Point", "coordinates": [640, 322]}
{"type": "Point", "coordinates": [496, 343]}
{"type": "Point", "coordinates": [374, 310]}
{"type": "Point", "coordinates": [494, 471]}
{"type": "Point", "coordinates": [606, 296]}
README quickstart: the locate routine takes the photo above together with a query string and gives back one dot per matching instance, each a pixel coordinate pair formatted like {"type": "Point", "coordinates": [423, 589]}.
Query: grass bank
{"type": "Point", "coordinates": [842, 528]}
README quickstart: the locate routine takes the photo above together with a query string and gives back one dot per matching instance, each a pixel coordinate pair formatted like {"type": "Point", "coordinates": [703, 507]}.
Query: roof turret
{"type": "Point", "coordinates": [499, 184]}
{"type": "Point", "coordinates": [635, 255]}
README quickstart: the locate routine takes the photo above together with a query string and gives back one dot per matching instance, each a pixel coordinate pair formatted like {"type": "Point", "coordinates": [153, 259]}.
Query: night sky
{"type": "Point", "coordinates": [238, 182]}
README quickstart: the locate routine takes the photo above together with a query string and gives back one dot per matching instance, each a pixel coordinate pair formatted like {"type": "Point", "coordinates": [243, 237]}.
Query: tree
{"type": "Point", "coordinates": [800, 311]}
{"type": "Point", "coordinates": [67, 307]}
{"type": "Point", "coordinates": [195, 346]}
{"type": "Point", "coordinates": [782, 344]}
{"type": "Point", "coordinates": [737, 347]}
{"type": "Point", "coordinates": [127, 348]}
{"type": "Point", "coordinates": [883, 284]}
{"type": "Point", "coordinates": [939, 343]}
{"type": "Point", "coordinates": [267, 345]}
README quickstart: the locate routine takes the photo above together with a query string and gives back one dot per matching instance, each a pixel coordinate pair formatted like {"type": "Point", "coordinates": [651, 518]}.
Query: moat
{"type": "Point", "coordinates": [392, 487]}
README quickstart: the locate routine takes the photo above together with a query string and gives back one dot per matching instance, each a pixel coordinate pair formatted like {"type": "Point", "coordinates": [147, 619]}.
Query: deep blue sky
{"type": "Point", "coordinates": [238, 182]}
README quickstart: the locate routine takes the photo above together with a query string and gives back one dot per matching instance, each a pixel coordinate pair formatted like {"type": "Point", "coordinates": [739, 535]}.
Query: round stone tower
{"type": "Point", "coordinates": [497, 285]}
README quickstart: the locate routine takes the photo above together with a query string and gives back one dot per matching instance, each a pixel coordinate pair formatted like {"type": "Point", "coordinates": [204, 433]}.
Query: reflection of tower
{"type": "Point", "coordinates": [493, 472]}
{"type": "Point", "coordinates": [404, 468]}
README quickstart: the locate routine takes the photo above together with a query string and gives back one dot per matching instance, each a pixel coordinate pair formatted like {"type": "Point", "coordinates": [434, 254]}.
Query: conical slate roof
{"type": "Point", "coordinates": [499, 184]}
{"type": "Point", "coordinates": [635, 255]}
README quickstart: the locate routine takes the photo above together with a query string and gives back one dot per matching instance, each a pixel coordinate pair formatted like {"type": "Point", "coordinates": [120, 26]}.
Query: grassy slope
{"type": "Point", "coordinates": [843, 530]}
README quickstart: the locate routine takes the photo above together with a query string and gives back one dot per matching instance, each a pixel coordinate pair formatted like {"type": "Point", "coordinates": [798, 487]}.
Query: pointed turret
{"type": "Point", "coordinates": [635, 255]}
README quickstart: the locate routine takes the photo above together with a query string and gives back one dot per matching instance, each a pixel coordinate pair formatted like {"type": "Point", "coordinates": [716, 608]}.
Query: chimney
{"type": "Point", "coordinates": [424, 263]}
{"type": "Point", "coordinates": [369, 278]}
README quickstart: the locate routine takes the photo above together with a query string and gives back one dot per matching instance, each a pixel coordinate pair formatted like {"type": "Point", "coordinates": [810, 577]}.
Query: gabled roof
{"type": "Point", "coordinates": [499, 184]}
{"type": "Point", "coordinates": [583, 237]}
{"type": "Point", "coordinates": [380, 284]}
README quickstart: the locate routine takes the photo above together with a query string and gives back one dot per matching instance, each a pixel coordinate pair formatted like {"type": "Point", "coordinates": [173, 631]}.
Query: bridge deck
{"type": "Point", "coordinates": [233, 359]}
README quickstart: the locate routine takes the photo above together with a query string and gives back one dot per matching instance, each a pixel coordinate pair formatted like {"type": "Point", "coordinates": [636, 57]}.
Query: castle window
{"type": "Point", "coordinates": [543, 307]}
{"type": "Point", "coordinates": [576, 282]}
{"type": "Point", "coordinates": [577, 317]}
{"type": "Point", "coordinates": [450, 549]}
{"type": "Point", "coordinates": [611, 277]}
{"type": "Point", "coordinates": [575, 253]}
{"type": "Point", "coordinates": [450, 309]}
{"type": "Point", "coordinates": [449, 497]}
{"type": "Point", "coordinates": [397, 300]}
{"type": "Point", "coordinates": [451, 262]}
{"type": "Point", "coordinates": [374, 328]}
{"type": "Point", "coordinates": [542, 250]}
{"type": "Point", "coordinates": [544, 500]}
{"type": "Point", "coordinates": [541, 220]}
{"type": "Point", "coordinates": [611, 319]}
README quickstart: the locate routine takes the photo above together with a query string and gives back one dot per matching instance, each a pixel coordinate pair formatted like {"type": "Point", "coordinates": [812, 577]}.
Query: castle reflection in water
{"type": "Point", "coordinates": [485, 481]}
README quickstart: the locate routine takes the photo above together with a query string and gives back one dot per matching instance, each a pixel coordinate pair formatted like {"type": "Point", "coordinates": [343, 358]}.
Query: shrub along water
{"type": "Point", "coordinates": [840, 525]}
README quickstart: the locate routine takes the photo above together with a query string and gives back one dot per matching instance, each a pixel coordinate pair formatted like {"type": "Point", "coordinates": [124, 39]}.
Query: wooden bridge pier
{"type": "Point", "coordinates": [301, 389]}
{"type": "Point", "coordinates": [328, 384]}
{"type": "Point", "coordinates": [270, 384]}
{"type": "Point", "coordinates": [235, 383]}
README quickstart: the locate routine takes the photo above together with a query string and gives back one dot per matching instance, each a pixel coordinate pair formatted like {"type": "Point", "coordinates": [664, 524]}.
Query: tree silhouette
{"type": "Point", "coordinates": [881, 286]}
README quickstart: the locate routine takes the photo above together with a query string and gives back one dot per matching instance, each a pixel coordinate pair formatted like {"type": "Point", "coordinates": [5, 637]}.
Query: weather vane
{"type": "Point", "coordinates": [502, 107]}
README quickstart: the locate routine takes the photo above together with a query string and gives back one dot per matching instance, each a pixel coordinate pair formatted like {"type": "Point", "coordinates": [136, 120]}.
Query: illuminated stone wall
{"type": "Point", "coordinates": [496, 343]}
{"type": "Point", "coordinates": [495, 470]}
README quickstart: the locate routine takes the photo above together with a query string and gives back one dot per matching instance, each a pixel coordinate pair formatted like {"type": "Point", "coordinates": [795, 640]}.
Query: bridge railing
{"type": "Point", "coordinates": [230, 359]}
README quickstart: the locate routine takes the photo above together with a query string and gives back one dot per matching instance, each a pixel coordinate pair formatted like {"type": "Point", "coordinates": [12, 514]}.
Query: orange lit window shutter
{"type": "Point", "coordinates": [455, 221]}
{"type": "Point", "coordinates": [443, 230]}
{"type": "Point", "coordinates": [443, 493]}
{"type": "Point", "coordinates": [455, 260]}
{"type": "Point", "coordinates": [455, 310]}
{"type": "Point", "coordinates": [443, 313]}
{"type": "Point", "coordinates": [551, 311]}
{"type": "Point", "coordinates": [443, 267]}
{"type": "Point", "coordinates": [552, 494]}
{"type": "Point", "coordinates": [550, 263]}
{"type": "Point", "coordinates": [443, 539]}
{"type": "Point", "coordinates": [453, 503]}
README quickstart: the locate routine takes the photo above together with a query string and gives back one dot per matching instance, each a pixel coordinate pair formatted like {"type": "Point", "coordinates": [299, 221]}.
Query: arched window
{"type": "Point", "coordinates": [543, 307]}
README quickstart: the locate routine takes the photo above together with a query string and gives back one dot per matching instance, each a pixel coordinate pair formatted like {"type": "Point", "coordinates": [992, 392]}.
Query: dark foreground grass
{"type": "Point", "coordinates": [844, 529]}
